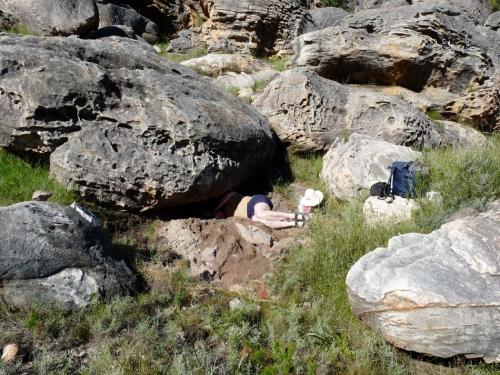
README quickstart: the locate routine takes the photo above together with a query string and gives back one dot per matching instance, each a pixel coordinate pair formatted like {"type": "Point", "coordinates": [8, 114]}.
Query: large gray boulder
{"type": "Point", "coordinates": [256, 26]}
{"type": "Point", "coordinates": [133, 129]}
{"type": "Point", "coordinates": [309, 112]}
{"type": "Point", "coordinates": [350, 167]}
{"type": "Point", "coordinates": [321, 18]}
{"type": "Point", "coordinates": [54, 17]}
{"type": "Point", "coordinates": [111, 14]}
{"type": "Point", "coordinates": [437, 293]}
{"type": "Point", "coordinates": [493, 21]}
{"type": "Point", "coordinates": [50, 254]}
{"type": "Point", "coordinates": [415, 47]}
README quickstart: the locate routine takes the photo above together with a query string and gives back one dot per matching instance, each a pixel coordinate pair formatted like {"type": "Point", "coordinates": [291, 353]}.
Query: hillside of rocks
{"type": "Point", "coordinates": [147, 112]}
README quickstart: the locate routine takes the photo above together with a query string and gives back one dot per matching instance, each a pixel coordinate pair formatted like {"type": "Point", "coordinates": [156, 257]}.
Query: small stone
{"type": "Point", "coordinates": [376, 210]}
{"type": "Point", "coordinates": [9, 353]}
{"type": "Point", "coordinates": [157, 49]}
{"type": "Point", "coordinates": [434, 197]}
{"type": "Point", "coordinates": [234, 304]}
{"type": "Point", "coordinates": [41, 195]}
{"type": "Point", "coordinates": [254, 235]}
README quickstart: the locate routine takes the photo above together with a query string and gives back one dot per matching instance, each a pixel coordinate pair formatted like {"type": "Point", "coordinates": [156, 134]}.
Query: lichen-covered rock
{"type": "Point", "coordinates": [309, 112]}
{"type": "Point", "coordinates": [415, 47]}
{"type": "Point", "coordinates": [134, 130]}
{"type": "Point", "coordinates": [353, 165]}
{"type": "Point", "coordinates": [54, 17]}
{"type": "Point", "coordinates": [261, 27]}
{"type": "Point", "coordinates": [51, 255]}
{"type": "Point", "coordinates": [436, 293]}
{"type": "Point", "coordinates": [121, 14]}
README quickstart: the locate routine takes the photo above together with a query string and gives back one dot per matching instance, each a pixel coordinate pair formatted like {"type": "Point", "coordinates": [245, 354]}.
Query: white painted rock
{"type": "Point", "coordinates": [377, 210]}
{"type": "Point", "coordinates": [436, 294]}
{"type": "Point", "coordinates": [349, 167]}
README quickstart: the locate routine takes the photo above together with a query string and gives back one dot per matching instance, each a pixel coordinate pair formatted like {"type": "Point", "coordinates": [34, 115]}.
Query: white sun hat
{"type": "Point", "coordinates": [311, 198]}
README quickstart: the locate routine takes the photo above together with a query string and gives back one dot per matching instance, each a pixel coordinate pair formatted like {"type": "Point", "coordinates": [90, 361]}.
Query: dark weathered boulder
{"type": "Point", "coordinates": [169, 15]}
{"type": "Point", "coordinates": [149, 133]}
{"type": "Point", "coordinates": [309, 112]}
{"type": "Point", "coordinates": [50, 254]}
{"type": "Point", "coordinates": [54, 17]}
{"type": "Point", "coordinates": [185, 41]}
{"type": "Point", "coordinates": [121, 14]}
{"type": "Point", "coordinates": [258, 26]}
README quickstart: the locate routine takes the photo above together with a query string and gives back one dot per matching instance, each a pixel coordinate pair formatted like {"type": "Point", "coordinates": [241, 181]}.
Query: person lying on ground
{"type": "Point", "coordinates": [257, 208]}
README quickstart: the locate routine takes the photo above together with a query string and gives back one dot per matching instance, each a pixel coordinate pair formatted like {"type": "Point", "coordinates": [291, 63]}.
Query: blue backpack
{"type": "Point", "coordinates": [403, 179]}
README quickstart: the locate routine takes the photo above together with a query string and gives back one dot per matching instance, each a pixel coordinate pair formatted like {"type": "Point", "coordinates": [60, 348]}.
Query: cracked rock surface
{"type": "Point", "coordinates": [436, 293]}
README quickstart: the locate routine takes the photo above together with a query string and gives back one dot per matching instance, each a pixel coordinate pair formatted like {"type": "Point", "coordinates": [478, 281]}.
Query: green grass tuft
{"type": "Point", "coordinates": [434, 115]}
{"type": "Point", "coordinates": [495, 5]}
{"type": "Point", "coordinates": [19, 29]}
{"type": "Point", "coordinates": [18, 181]}
{"type": "Point", "coordinates": [277, 63]}
{"type": "Point", "coordinates": [180, 57]}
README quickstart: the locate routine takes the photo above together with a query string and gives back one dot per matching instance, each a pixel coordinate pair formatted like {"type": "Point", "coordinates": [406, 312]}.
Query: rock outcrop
{"type": "Point", "coordinates": [111, 14]}
{"type": "Point", "coordinates": [215, 64]}
{"type": "Point", "coordinates": [349, 167]}
{"type": "Point", "coordinates": [225, 252]}
{"type": "Point", "coordinates": [396, 47]}
{"type": "Point", "coordinates": [436, 293]}
{"type": "Point", "coordinates": [134, 130]}
{"type": "Point", "coordinates": [309, 112]}
{"type": "Point", "coordinates": [51, 255]}
{"type": "Point", "coordinates": [256, 26]}
{"type": "Point", "coordinates": [476, 9]}
{"type": "Point", "coordinates": [422, 46]}
{"type": "Point", "coordinates": [54, 17]}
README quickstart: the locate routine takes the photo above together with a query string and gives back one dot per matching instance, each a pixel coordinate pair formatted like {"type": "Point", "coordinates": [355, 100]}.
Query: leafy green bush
{"type": "Point", "coordinates": [495, 5]}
